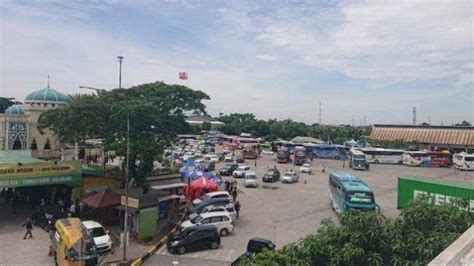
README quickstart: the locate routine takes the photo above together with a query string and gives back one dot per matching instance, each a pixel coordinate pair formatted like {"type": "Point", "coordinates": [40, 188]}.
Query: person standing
{"type": "Point", "coordinates": [29, 226]}
{"type": "Point", "coordinates": [237, 208]}
{"type": "Point", "coordinates": [234, 193]}
{"type": "Point", "coordinates": [323, 170]}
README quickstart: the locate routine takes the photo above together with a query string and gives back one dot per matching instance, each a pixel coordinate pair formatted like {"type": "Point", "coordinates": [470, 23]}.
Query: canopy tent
{"type": "Point", "coordinates": [190, 172]}
{"type": "Point", "coordinates": [200, 187]}
{"type": "Point", "coordinates": [102, 199]}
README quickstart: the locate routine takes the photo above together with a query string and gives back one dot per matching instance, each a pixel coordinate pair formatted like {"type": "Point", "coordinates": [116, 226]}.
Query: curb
{"type": "Point", "coordinates": [139, 261]}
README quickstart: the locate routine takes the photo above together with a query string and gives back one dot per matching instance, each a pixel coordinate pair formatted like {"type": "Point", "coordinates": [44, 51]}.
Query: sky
{"type": "Point", "coordinates": [274, 58]}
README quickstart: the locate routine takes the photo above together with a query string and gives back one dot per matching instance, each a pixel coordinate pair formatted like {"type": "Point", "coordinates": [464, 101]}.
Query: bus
{"type": "Point", "coordinates": [300, 155]}
{"type": "Point", "coordinates": [283, 156]}
{"type": "Point", "coordinates": [347, 192]}
{"type": "Point", "coordinates": [249, 152]}
{"type": "Point", "coordinates": [326, 151]}
{"type": "Point", "coordinates": [72, 244]}
{"type": "Point", "coordinates": [427, 158]}
{"type": "Point", "coordinates": [414, 158]}
{"type": "Point", "coordinates": [357, 160]}
{"type": "Point", "coordinates": [463, 161]}
{"type": "Point", "coordinates": [380, 155]}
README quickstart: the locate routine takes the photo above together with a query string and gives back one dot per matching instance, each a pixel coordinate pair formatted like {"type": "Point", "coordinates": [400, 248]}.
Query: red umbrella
{"type": "Point", "coordinates": [200, 186]}
{"type": "Point", "coordinates": [102, 199]}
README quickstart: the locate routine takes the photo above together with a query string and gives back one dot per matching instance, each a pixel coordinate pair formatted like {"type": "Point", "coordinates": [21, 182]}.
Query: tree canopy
{"type": "Point", "coordinates": [419, 235]}
{"type": "Point", "coordinates": [272, 129]}
{"type": "Point", "coordinates": [156, 112]}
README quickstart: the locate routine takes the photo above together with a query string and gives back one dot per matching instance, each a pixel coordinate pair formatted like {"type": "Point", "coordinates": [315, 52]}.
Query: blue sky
{"type": "Point", "coordinates": [274, 58]}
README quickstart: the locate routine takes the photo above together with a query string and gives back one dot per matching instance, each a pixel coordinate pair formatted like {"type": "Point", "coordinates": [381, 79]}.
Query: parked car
{"type": "Point", "coordinates": [221, 220]}
{"type": "Point", "coordinates": [194, 238]}
{"type": "Point", "coordinates": [212, 195]}
{"type": "Point", "coordinates": [213, 158]}
{"type": "Point", "coordinates": [217, 201]}
{"type": "Point", "coordinates": [267, 152]}
{"type": "Point", "coordinates": [45, 216]}
{"type": "Point", "coordinates": [228, 169]}
{"type": "Point", "coordinates": [271, 175]}
{"type": "Point", "coordinates": [255, 246]}
{"type": "Point", "coordinates": [208, 166]}
{"type": "Point", "coordinates": [188, 156]}
{"type": "Point", "coordinates": [101, 236]}
{"type": "Point", "coordinates": [238, 159]}
{"type": "Point", "coordinates": [290, 177]}
{"type": "Point", "coordinates": [219, 208]}
{"type": "Point", "coordinates": [226, 151]}
{"type": "Point", "coordinates": [240, 171]}
{"type": "Point", "coordinates": [228, 157]}
{"type": "Point", "coordinates": [305, 168]}
{"type": "Point", "coordinates": [250, 179]}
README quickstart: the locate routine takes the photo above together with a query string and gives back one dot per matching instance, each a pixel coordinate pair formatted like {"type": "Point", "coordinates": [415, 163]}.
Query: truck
{"type": "Point", "coordinates": [300, 155]}
{"type": "Point", "coordinates": [283, 156]}
{"type": "Point", "coordinates": [438, 191]}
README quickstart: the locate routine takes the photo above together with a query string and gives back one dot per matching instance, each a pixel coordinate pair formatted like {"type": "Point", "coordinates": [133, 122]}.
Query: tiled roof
{"type": "Point", "coordinates": [459, 136]}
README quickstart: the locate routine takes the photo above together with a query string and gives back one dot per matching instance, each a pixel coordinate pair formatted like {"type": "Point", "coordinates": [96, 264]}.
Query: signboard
{"type": "Point", "coordinates": [132, 202]}
{"type": "Point", "coordinates": [36, 174]}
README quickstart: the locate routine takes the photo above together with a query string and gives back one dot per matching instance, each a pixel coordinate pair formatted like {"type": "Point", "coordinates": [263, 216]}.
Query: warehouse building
{"type": "Point", "coordinates": [432, 136]}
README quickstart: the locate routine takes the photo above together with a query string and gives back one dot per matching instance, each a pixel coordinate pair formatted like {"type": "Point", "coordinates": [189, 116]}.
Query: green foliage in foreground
{"type": "Point", "coordinates": [422, 232]}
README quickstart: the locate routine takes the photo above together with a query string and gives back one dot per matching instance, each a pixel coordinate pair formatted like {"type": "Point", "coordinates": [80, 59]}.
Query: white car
{"type": "Point", "coordinates": [221, 220]}
{"type": "Point", "coordinates": [188, 156]}
{"type": "Point", "coordinates": [267, 152]}
{"type": "Point", "coordinates": [250, 179]}
{"type": "Point", "coordinates": [240, 171]}
{"type": "Point", "coordinates": [101, 236]}
{"type": "Point", "coordinates": [226, 151]}
{"type": "Point", "coordinates": [213, 195]}
{"type": "Point", "coordinates": [305, 168]}
{"type": "Point", "coordinates": [290, 177]}
{"type": "Point", "coordinates": [228, 158]}
{"type": "Point", "coordinates": [220, 208]}
{"type": "Point", "coordinates": [213, 158]}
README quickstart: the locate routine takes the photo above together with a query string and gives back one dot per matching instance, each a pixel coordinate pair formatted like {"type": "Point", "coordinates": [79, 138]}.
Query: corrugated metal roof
{"type": "Point", "coordinates": [456, 136]}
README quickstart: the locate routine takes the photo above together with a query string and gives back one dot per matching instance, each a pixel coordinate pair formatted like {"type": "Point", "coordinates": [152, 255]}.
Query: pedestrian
{"type": "Point", "coordinates": [237, 208]}
{"type": "Point", "coordinates": [312, 157]}
{"type": "Point", "coordinates": [29, 226]}
{"type": "Point", "coordinates": [81, 209]}
{"type": "Point", "coordinates": [72, 210]}
{"type": "Point", "coordinates": [255, 162]}
{"type": "Point", "coordinates": [343, 162]}
{"type": "Point", "coordinates": [227, 186]}
{"type": "Point", "coordinates": [323, 170]}
{"type": "Point", "coordinates": [234, 193]}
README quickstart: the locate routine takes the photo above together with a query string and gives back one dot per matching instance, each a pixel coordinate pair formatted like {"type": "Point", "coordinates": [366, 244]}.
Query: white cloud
{"type": "Point", "coordinates": [266, 57]}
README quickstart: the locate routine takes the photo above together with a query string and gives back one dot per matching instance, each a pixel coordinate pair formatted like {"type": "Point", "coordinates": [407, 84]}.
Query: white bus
{"type": "Point", "coordinates": [463, 161]}
{"type": "Point", "coordinates": [379, 155]}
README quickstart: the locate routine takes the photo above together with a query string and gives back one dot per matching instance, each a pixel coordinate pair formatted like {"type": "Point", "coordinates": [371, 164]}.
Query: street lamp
{"type": "Point", "coordinates": [125, 227]}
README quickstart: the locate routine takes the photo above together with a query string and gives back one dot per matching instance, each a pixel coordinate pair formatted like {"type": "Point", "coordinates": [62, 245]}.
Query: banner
{"type": "Point", "coordinates": [35, 174]}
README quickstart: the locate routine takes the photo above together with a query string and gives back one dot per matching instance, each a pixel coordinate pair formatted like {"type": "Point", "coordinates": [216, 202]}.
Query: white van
{"type": "Point", "coordinates": [463, 161]}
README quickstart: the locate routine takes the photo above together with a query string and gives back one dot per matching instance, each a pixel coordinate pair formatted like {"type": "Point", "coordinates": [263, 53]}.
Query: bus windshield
{"type": "Point", "coordinates": [360, 197]}
{"type": "Point", "coordinates": [358, 156]}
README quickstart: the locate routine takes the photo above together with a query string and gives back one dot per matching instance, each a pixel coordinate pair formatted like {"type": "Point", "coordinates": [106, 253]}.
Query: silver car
{"type": "Point", "coordinates": [250, 179]}
{"type": "Point", "coordinates": [290, 177]}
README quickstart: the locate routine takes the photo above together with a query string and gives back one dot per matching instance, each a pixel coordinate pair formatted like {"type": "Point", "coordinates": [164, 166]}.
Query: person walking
{"type": "Point", "coordinates": [29, 226]}
{"type": "Point", "coordinates": [255, 161]}
{"type": "Point", "coordinates": [234, 193]}
{"type": "Point", "coordinates": [237, 208]}
{"type": "Point", "coordinates": [323, 170]}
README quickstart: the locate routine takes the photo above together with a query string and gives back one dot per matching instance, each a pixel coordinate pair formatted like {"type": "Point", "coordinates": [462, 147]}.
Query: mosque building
{"type": "Point", "coordinates": [18, 124]}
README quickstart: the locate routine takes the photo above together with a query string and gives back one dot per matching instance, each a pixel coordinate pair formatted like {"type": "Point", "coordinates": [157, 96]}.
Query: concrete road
{"type": "Point", "coordinates": [284, 213]}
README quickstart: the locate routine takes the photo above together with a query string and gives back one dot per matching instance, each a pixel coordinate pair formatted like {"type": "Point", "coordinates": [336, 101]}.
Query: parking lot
{"type": "Point", "coordinates": [284, 213]}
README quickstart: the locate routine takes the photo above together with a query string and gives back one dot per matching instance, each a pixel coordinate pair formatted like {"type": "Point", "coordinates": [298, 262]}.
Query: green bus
{"type": "Point", "coordinates": [347, 191]}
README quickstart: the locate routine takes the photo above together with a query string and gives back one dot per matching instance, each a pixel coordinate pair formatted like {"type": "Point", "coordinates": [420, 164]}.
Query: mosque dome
{"type": "Point", "coordinates": [47, 95]}
{"type": "Point", "coordinates": [14, 110]}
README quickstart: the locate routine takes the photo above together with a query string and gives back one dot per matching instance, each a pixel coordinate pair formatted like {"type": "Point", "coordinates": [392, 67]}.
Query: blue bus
{"type": "Point", "coordinates": [326, 151]}
{"type": "Point", "coordinates": [347, 191]}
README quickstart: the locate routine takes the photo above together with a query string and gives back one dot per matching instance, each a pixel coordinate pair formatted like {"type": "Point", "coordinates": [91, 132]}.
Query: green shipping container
{"type": "Point", "coordinates": [438, 190]}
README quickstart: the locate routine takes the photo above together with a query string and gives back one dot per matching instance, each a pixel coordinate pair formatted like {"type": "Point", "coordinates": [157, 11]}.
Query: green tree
{"type": "Point", "coordinates": [464, 123]}
{"type": "Point", "coordinates": [156, 112]}
{"type": "Point", "coordinates": [420, 234]}
{"type": "Point", "coordinates": [206, 126]}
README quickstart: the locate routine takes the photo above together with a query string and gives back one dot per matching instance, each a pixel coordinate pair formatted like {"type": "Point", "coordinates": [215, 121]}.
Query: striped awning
{"type": "Point", "coordinates": [441, 135]}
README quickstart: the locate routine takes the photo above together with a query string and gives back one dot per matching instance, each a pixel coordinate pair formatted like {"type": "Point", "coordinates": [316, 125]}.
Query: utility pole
{"type": "Point", "coordinates": [365, 121]}
{"type": "Point", "coordinates": [125, 226]}
{"type": "Point", "coordinates": [414, 116]}
{"type": "Point", "coordinates": [320, 119]}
